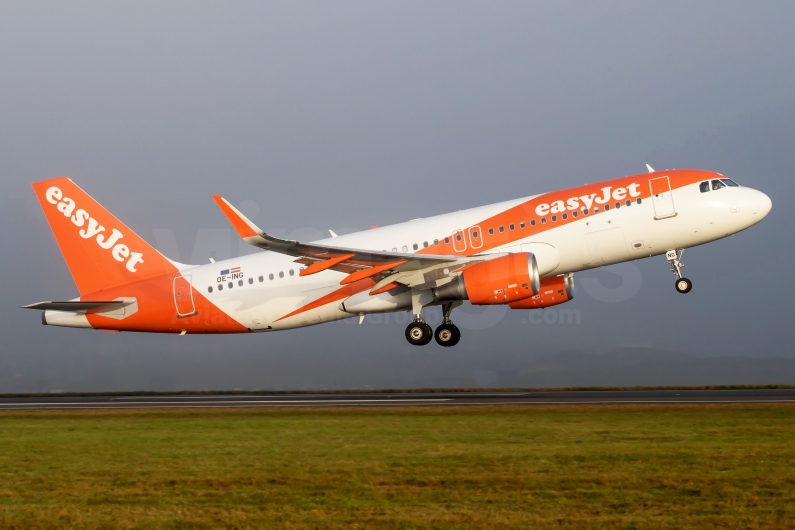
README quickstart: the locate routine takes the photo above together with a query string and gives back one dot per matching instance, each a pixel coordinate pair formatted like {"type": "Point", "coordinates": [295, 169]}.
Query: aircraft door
{"type": "Point", "coordinates": [662, 198]}
{"type": "Point", "coordinates": [183, 296]}
{"type": "Point", "coordinates": [475, 237]}
{"type": "Point", "coordinates": [459, 241]}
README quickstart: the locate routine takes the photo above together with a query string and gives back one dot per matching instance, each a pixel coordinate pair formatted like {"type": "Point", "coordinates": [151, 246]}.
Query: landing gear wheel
{"type": "Point", "coordinates": [419, 333]}
{"type": "Point", "coordinates": [447, 335]}
{"type": "Point", "coordinates": [683, 285]}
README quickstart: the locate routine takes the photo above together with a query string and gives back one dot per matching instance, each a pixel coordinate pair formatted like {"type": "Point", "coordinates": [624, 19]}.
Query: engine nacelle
{"type": "Point", "coordinates": [497, 281]}
{"type": "Point", "coordinates": [554, 290]}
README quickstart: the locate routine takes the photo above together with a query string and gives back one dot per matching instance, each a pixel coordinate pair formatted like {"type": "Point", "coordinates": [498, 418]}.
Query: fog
{"type": "Point", "coordinates": [318, 116]}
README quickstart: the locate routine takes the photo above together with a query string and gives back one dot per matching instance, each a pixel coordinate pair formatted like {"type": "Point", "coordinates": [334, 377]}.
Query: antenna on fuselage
{"type": "Point", "coordinates": [651, 169]}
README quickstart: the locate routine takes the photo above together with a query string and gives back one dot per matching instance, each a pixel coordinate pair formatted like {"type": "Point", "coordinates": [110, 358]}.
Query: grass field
{"type": "Point", "coordinates": [727, 466]}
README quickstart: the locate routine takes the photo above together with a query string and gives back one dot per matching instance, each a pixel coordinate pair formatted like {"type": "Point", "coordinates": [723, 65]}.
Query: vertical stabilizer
{"type": "Point", "coordinates": [100, 251]}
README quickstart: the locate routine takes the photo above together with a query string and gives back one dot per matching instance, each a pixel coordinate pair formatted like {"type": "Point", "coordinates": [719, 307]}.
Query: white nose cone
{"type": "Point", "coordinates": [761, 206]}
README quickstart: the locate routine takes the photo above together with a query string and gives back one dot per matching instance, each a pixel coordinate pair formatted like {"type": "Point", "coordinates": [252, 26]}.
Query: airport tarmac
{"type": "Point", "coordinates": [376, 399]}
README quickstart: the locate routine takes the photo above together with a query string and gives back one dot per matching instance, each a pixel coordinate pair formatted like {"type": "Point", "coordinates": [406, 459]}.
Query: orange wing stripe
{"type": "Point", "coordinates": [372, 271]}
{"type": "Point", "coordinates": [238, 223]}
{"type": "Point", "coordinates": [339, 294]}
{"type": "Point", "coordinates": [385, 288]}
{"type": "Point", "coordinates": [325, 264]}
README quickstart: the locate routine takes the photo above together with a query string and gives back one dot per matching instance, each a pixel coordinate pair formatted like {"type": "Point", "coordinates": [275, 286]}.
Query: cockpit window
{"type": "Point", "coordinates": [716, 185]}
{"type": "Point", "coordinates": [704, 187]}
{"type": "Point", "coordinates": [730, 182]}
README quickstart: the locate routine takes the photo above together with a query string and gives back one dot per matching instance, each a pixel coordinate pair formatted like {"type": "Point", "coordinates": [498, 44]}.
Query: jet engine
{"type": "Point", "coordinates": [553, 291]}
{"type": "Point", "coordinates": [497, 281]}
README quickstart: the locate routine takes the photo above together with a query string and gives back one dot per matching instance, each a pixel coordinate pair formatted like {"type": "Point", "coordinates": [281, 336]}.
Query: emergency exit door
{"type": "Point", "coordinates": [183, 296]}
{"type": "Point", "coordinates": [662, 198]}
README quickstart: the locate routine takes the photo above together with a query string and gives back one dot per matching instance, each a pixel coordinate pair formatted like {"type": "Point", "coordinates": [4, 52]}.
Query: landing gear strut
{"type": "Point", "coordinates": [447, 334]}
{"type": "Point", "coordinates": [683, 285]}
{"type": "Point", "coordinates": [418, 332]}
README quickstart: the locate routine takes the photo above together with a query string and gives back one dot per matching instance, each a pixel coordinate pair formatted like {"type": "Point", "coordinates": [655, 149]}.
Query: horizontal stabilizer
{"type": "Point", "coordinates": [75, 306]}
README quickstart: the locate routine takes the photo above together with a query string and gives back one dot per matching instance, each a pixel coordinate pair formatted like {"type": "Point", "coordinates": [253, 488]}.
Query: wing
{"type": "Point", "coordinates": [388, 269]}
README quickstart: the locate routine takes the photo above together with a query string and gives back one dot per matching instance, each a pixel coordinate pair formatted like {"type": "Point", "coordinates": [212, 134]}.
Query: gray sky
{"type": "Point", "coordinates": [343, 115]}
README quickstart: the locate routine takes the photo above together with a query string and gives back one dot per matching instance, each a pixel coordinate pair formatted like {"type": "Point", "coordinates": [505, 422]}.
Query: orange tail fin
{"type": "Point", "coordinates": [100, 251]}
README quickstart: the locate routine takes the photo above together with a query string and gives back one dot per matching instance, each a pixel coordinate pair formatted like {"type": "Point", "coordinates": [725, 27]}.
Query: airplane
{"type": "Point", "coordinates": [522, 253]}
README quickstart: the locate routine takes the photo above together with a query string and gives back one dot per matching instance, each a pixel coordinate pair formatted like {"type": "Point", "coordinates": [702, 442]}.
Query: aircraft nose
{"type": "Point", "coordinates": [761, 205]}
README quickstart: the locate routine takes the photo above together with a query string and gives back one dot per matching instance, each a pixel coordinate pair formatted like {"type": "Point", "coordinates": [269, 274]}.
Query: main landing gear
{"type": "Point", "coordinates": [419, 333]}
{"type": "Point", "coordinates": [683, 285]}
{"type": "Point", "coordinates": [447, 334]}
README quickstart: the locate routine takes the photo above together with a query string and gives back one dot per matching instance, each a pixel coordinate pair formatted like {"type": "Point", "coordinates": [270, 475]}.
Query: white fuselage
{"type": "Point", "coordinates": [620, 234]}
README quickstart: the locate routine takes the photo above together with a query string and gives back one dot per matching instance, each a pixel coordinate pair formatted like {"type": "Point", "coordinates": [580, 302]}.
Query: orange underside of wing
{"type": "Point", "coordinates": [372, 271]}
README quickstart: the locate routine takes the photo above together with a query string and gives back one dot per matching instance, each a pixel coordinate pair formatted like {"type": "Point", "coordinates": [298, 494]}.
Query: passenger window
{"type": "Point", "coordinates": [565, 216]}
{"type": "Point", "coordinates": [521, 225]}
{"type": "Point", "coordinates": [629, 202]}
{"type": "Point", "coordinates": [491, 231]}
{"type": "Point", "coordinates": [704, 187]}
{"type": "Point", "coordinates": [447, 240]}
{"type": "Point", "coordinates": [716, 185]}
{"type": "Point", "coordinates": [281, 274]}
{"type": "Point", "coordinates": [618, 205]}
{"type": "Point", "coordinates": [639, 200]}
{"type": "Point", "coordinates": [543, 220]}
{"type": "Point", "coordinates": [511, 227]}
{"type": "Point", "coordinates": [270, 276]}
{"type": "Point", "coordinates": [731, 183]}
{"type": "Point", "coordinates": [475, 234]}
{"type": "Point", "coordinates": [574, 213]}
{"type": "Point", "coordinates": [585, 211]}
{"type": "Point", "coordinates": [554, 218]}
{"type": "Point", "coordinates": [240, 283]}
{"type": "Point", "coordinates": [532, 222]}
{"type": "Point", "coordinates": [607, 208]}
{"type": "Point", "coordinates": [261, 279]}
{"type": "Point", "coordinates": [210, 289]}
{"type": "Point", "coordinates": [502, 229]}
{"type": "Point", "coordinates": [220, 287]}
{"type": "Point", "coordinates": [250, 281]}
{"type": "Point", "coordinates": [425, 244]}
{"type": "Point", "coordinates": [458, 237]}
{"type": "Point", "coordinates": [405, 248]}
{"type": "Point", "coordinates": [291, 272]}
{"type": "Point", "coordinates": [595, 209]}
{"type": "Point", "coordinates": [231, 285]}
{"type": "Point", "coordinates": [436, 242]}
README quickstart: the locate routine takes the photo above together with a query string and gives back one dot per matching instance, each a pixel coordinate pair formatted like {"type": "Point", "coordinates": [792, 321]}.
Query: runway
{"type": "Point", "coordinates": [375, 399]}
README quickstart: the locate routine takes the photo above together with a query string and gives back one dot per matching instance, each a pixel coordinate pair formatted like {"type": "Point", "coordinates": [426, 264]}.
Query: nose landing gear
{"type": "Point", "coordinates": [683, 285]}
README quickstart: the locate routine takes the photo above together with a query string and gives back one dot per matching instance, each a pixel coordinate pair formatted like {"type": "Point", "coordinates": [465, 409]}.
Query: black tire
{"type": "Point", "coordinates": [429, 334]}
{"type": "Point", "coordinates": [683, 285]}
{"type": "Point", "coordinates": [419, 333]}
{"type": "Point", "coordinates": [447, 335]}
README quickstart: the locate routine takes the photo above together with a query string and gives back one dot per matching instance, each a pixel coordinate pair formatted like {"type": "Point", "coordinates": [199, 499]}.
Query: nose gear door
{"type": "Point", "coordinates": [183, 296]}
